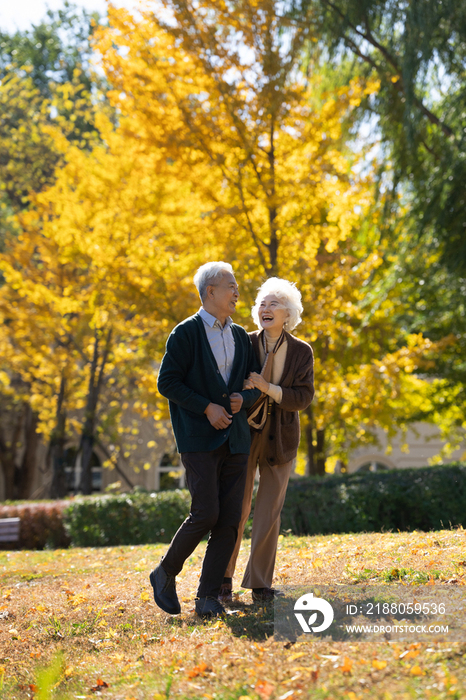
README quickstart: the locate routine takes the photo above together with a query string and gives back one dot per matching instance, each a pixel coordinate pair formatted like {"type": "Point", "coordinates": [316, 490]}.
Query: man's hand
{"type": "Point", "coordinates": [217, 416]}
{"type": "Point", "coordinates": [236, 401]}
{"type": "Point", "coordinates": [258, 381]}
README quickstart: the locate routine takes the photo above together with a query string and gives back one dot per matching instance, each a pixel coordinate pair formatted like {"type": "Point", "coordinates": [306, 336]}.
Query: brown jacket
{"type": "Point", "coordinates": [297, 383]}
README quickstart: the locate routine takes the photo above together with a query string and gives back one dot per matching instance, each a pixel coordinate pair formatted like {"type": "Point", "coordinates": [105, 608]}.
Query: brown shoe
{"type": "Point", "coordinates": [225, 594]}
{"type": "Point", "coordinates": [263, 595]}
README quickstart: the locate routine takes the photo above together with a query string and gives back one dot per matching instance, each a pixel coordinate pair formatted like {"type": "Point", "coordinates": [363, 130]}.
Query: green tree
{"type": "Point", "coordinates": [45, 79]}
{"type": "Point", "coordinates": [53, 49]}
{"type": "Point", "coordinates": [418, 51]}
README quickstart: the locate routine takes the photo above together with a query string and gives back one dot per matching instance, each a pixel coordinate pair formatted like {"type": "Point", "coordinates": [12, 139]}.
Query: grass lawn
{"type": "Point", "coordinates": [81, 623]}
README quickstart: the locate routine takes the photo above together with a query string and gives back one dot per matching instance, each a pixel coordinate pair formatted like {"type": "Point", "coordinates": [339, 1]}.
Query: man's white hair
{"type": "Point", "coordinates": [287, 293]}
{"type": "Point", "coordinates": [210, 273]}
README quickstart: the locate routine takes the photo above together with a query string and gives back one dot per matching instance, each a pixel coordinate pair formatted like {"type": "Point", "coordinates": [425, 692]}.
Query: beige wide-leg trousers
{"type": "Point", "coordinates": [273, 482]}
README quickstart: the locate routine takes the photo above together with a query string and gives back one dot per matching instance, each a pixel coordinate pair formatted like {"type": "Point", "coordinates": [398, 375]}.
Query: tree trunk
{"type": "Point", "coordinates": [87, 437]}
{"type": "Point", "coordinates": [24, 476]}
{"type": "Point", "coordinates": [10, 435]}
{"type": "Point", "coordinates": [273, 245]}
{"type": "Point", "coordinates": [309, 432]}
{"type": "Point", "coordinates": [315, 452]}
{"type": "Point", "coordinates": [320, 452]}
{"type": "Point", "coordinates": [58, 488]}
{"type": "Point", "coordinates": [87, 443]}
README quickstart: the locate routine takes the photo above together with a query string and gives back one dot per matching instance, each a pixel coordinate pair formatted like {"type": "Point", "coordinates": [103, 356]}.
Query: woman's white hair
{"type": "Point", "coordinates": [287, 293]}
{"type": "Point", "coordinates": [210, 273]}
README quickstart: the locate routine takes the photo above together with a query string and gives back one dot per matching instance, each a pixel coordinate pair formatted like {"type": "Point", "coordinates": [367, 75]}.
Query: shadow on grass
{"type": "Point", "coordinates": [245, 620]}
{"type": "Point", "coordinates": [251, 621]}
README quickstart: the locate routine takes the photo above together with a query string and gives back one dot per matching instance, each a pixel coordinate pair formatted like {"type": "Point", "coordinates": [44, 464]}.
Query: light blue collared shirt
{"type": "Point", "coordinates": [221, 342]}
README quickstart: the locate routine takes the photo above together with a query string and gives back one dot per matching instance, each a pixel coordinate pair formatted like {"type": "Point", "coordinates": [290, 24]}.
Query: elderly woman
{"type": "Point", "coordinates": [290, 389]}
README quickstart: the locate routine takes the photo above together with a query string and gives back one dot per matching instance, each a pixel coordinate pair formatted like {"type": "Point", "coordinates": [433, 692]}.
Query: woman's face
{"type": "Point", "coordinates": [272, 314]}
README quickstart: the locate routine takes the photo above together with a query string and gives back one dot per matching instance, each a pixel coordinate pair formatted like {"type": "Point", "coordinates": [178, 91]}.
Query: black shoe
{"type": "Point", "coordinates": [209, 607]}
{"type": "Point", "coordinates": [263, 595]}
{"type": "Point", "coordinates": [165, 591]}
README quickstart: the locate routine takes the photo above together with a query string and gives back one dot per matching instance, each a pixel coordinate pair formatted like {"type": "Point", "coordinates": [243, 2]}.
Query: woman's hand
{"type": "Point", "coordinates": [247, 384]}
{"type": "Point", "coordinates": [258, 382]}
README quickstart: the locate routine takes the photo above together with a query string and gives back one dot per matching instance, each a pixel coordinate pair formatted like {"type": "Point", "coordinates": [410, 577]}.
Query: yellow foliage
{"type": "Point", "coordinates": [221, 151]}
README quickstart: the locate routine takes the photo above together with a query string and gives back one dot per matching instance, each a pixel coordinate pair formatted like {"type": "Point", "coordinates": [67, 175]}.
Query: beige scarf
{"type": "Point", "coordinates": [257, 414]}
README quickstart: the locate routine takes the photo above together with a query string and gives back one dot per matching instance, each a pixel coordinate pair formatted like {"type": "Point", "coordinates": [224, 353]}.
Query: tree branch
{"type": "Point", "coordinates": [399, 85]}
{"type": "Point", "coordinates": [116, 465]}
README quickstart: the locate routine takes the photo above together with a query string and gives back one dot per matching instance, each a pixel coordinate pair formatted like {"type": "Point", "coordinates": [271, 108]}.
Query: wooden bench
{"type": "Point", "coordinates": [9, 529]}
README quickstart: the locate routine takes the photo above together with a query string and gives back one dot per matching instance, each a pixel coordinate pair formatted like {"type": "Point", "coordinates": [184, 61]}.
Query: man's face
{"type": "Point", "coordinates": [224, 295]}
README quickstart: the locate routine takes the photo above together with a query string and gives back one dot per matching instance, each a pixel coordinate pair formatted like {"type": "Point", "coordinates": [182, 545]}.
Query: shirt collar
{"type": "Point", "coordinates": [211, 320]}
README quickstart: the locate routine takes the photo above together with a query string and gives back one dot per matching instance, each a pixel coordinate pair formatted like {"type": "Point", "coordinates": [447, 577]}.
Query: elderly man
{"type": "Point", "coordinates": [206, 360]}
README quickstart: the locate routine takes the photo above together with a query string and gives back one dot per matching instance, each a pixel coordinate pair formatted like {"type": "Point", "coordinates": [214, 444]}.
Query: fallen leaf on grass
{"type": "Point", "coordinates": [416, 671]}
{"type": "Point", "coordinates": [99, 686]}
{"type": "Point", "coordinates": [297, 656]}
{"type": "Point", "coordinates": [347, 665]}
{"type": "Point", "coordinates": [218, 624]}
{"type": "Point", "coordinates": [199, 670]}
{"type": "Point", "coordinates": [264, 689]}
{"type": "Point", "coordinates": [379, 665]}
{"type": "Point", "coordinates": [409, 654]}
{"type": "Point", "coordinates": [145, 596]}
{"type": "Point", "coordinates": [77, 599]}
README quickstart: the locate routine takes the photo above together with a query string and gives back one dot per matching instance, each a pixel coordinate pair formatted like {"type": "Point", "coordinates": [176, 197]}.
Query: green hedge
{"type": "Point", "coordinates": [133, 518]}
{"type": "Point", "coordinates": [423, 499]}
{"type": "Point", "coordinates": [428, 498]}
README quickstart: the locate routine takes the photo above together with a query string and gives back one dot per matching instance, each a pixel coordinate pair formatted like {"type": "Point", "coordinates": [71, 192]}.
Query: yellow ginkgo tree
{"type": "Point", "coordinates": [91, 289]}
{"type": "Point", "coordinates": [217, 87]}
{"type": "Point", "coordinates": [221, 149]}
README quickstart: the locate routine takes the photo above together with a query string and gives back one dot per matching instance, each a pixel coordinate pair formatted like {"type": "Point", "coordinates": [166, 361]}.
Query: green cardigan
{"type": "Point", "coordinates": [190, 379]}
